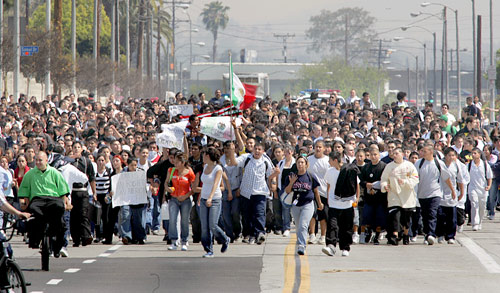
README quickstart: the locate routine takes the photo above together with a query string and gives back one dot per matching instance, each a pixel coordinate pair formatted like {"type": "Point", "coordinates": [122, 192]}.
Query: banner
{"type": "Point", "coordinates": [184, 110]}
{"type": "Point", "coordinates": [227, 111]}
{"type": "Point", "coordinates": [172, 135]}
{"type": "Point", "coordinates": [129, 188]}
{"type": "Point", "coordinates": [219, 128]}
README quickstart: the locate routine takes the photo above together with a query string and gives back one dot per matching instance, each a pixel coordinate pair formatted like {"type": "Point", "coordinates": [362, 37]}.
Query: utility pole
{"type": "Point", "coordinates": [346, 39]}
{"type": "Point", "coordinates": [127, 40]}
{"type": "Point", "coordinates": [47, 29]}
{"type": "Point", "coordinates": [379, 56]}
{"type": "Point", "coordinates": [478, 57]}
{"type": "Point", "coordinates": [95, 47]}
{"type": "Point", "coordinates": [73, 44]}
{"type": "Point", "coordinates": [284, 37]}
{"type": "Point", "coordinates": [459, 78]}
{"type": "Point", "coordinates": [447, 72]}
{"type": "Point", "coordinates": [113, 48]}
{"type": "Point", "coordinates": [474, 47]}
{"type": "Point", "coordinates": [17, 51]}
{"type": "Point", "coordinates": [434, 75]}
{"type": "Point", "coordinates": [492, 72]}
{"type": "Point", "coordinates": [173, 43]}
{"type": "Point", "coordinates": [1, 45]}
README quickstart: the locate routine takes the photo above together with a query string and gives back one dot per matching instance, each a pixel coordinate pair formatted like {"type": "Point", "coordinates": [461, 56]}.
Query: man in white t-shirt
{"type": "Point", "coordinates": [478, 188]}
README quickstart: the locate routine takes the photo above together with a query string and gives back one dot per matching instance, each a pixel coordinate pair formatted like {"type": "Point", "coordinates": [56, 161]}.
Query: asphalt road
{"type": "Point", "coordinates": [471, 265]}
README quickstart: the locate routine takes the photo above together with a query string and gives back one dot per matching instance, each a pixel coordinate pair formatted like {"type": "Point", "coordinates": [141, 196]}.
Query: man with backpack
{"type": "Point", "coordinates": [477, 190]}
{"type": "Point", "coordinates": [431, 172]}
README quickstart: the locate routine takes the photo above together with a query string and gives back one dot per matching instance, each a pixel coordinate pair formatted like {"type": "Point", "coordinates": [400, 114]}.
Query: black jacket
{"type": "Point", "coordinates": [349, 178]}
{"type": "Point", "coordinates": [371, 173]}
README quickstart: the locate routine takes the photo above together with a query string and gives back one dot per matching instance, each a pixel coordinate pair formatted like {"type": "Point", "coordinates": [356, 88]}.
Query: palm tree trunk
{"type": "Point", "coordinates": [214, 50]}
{"type": "Point", "coordinates": [98, 28]}
{"type": "Point", "coordinates": [58, 26]}
{"type": "Point", "coordinates": [140, 36]}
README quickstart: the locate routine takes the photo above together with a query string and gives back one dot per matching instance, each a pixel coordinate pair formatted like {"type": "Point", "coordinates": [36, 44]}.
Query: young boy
{"type": "Point", "coordinates": [480, 183]}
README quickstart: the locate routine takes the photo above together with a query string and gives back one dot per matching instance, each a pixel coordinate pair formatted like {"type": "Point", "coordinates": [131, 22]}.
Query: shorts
{"type": "Point", "coordinates": [374, 215]}
{"type": "Point", "coordinates": [323, 215]}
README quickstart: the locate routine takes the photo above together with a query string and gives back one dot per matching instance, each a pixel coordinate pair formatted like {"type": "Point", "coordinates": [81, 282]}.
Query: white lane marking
{"type": "Point", "coordinates": [484, 258]}
{"type": "Point", "coordinates": [104, 254]}
{"type": "Point", "coordinates": [89, 261]}
{"type": "Point", "coordinates": [54, 281]}
{"type": "Point", "coordinates": [71, 271]}
{"type": "Point", "coordinates": [36, 292]}
{"type": "Point", "coordinates": [116, 247]}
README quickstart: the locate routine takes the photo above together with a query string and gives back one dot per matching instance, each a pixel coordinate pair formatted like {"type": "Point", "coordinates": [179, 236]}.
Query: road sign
{"type": "Point", "coordinates": [28, 50]}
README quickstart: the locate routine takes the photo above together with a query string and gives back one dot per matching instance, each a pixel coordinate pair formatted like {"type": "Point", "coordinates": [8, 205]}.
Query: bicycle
{"type": "Point", "coordinates": [15, 277]}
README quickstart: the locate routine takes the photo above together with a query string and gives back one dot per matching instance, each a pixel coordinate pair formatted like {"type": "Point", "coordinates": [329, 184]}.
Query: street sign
{"type": "Point", "coordinates": [492, 73]}
{"type": "Point", "coordinates": [28, 50]}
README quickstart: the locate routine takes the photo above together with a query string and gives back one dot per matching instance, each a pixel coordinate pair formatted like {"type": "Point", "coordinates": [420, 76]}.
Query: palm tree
{"type": "Point", "coordinates": [214, 17]}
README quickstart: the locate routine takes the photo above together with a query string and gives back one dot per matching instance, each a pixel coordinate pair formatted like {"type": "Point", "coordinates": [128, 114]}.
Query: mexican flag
{"type": "Point", "coordinates": [237, 88]}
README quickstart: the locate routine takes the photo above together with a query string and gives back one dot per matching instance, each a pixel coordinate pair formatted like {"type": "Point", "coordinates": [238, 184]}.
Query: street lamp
{"type": "Point", "coordinates": [425, 65]}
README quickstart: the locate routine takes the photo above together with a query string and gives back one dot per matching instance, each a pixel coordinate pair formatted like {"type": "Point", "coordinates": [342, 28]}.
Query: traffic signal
{"type": "Point", "coordinates": [431, 97]}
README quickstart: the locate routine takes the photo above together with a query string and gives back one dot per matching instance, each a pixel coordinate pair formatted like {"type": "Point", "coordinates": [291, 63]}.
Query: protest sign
{"type": "Point", "coordinates": [184, 110]}
{"type": "Point", "coordinates": [219, 128]}
{"type": "Point", "coordinates": [172, 135]}
{"type": "Point", "coordinates": [129, 188]}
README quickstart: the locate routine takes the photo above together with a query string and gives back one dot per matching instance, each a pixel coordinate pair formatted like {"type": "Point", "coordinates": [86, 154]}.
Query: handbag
{"type": "Point", "coordinates": [164, 211]}
{"type": "Point", "coordinates": [287, 199]}
{"type": "Point", "coordinates": [95, 212]}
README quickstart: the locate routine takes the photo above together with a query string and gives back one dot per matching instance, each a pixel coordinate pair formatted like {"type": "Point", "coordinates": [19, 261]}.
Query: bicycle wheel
{"type": "Point", "coordinates": [16, 277]}
{"type": "Point", "coordinates": [45, 252]}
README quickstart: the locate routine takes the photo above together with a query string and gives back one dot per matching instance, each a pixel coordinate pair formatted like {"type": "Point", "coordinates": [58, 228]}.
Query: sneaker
{"type": "Point", "coordinates": [173, 246]}
{"type": "Point", "coordinates": [156, 232]}
{"type": "Point", "coordinates": [312, 239]}
{"type": "Point", "coordinates": [246, 239]}
{"type": "Point", "coordinates": [286, 233]}
{"type": "Point", "coordinates": [277, 232]}
{"type": "Point", "coordinates": [491, 217]}
{"type": "Point", "coordinates": [301, 250]}
{"type": "Point", "coordinates": [329, 250]}
{"type": "Point", "coordinates": [392, 240]}
{"type": "Point", "coordinates": [125, 241]}
{"type": "Point", "coordinates": [322, 240]}
{"type": "Point", "coordinates": [460, 229]}
{"type": "Point", "coordinates": [208, 255]}
{"type": "Point", "coordinates": [355, 238]}
{"type": "Point", "coordinates": [376, 241]}
{"type": "Point", "coordinates": [431, 240]}
{"type": "Point", "coordinates": [441, 240]}
{"type": "Point", "coordinates": [184, 247]}
{"type": "Point", "coordinates": [451, 241]}
{"type": "Point", "coordinates": [64, 252]}
{"type": "Point", "coordinates": [406, 239]}
{"type": "Point", "coordinates": [362, 238]}
{"type": "Point", "coordinates": [225, 245]}
{"type": "Point", "coordinates": [480, 227]}
{"type": "Point", "coordinates": [260, 239]}
{"type": "Point", "coordinates": [475, 228]}
{"type": "Point", "coordinates": [368, 237]}
{"type": "Point", "coordinates": [345, 253]}
{"type": "Point", "coordinates": [413, 239]}
{"type": "Point", "coordinates": [251, 240]}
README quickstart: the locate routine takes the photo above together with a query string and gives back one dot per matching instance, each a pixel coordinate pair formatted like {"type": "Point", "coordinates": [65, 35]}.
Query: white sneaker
{"type": "Point", "coordinates": [413, 239]}
{"type": "Point", "coordinates": [312, 239]}
{"type": "Point", "coordinates": [475, 227]}
{"type": "Point", "coordinates": [460, 229]}
{"type": "Point", "coordinates": [156, 232]}
{"type": "Point", "coordinates": [441, 240]}
{"type": "Point", "coordinates": [286, 233]}
{"type": "Point", "coordinates": [491, 217]}
{"type": "Point", "coordinates": [480, 227]}
{"type": "Point", "coordinates": [362, 238]}
{"type": "Point", "coordinates": [451, 241]}
{"type": "Point", "coordinates": [329, 250]}
{"type": "Point", "coordinates": [322, 240]}
{"type": "Point", "coordinates": [355, 238]}
{"type": "Point", "coordinates": [184, 247]}
{"type": "Point", "coordinates": [426, 242]}
{"type": "Point", "coordinates": [173, 246]}
{"type": "Point", "coordinates": [345, 253]}
{"type": "Point", "coordinates": [431, 240]}
{"type": "Point", "coordinates": [64, 252]}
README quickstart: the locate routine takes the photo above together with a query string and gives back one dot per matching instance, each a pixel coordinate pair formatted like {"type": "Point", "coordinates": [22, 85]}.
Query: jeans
{"type": "Point", "coordinates": [302, 216]}
{"type": "Point", "coordinates": [174, 207]}
{"type": "Point", "coordinates": [209, 217]}
{"type": "Point", "coordinates": [429, 209]}
{"type": "Point", "coordinates": [67, 233]}
{"type": "Point", "coordinates": [258, 204]}
{"type": "Point", "coordinates": [284, 212]}
{"type": "Point", "coordinates": [245, 216]}
{"type": "Point", "coordinates": [133, 222]}
{"type": "Point", "coordinates": [156, 213]}
{"type": "Point", "coordinates": [447, 222]}
{"type": "Point", "coordinates": [493, 197]}
{"type": "Point", "coordinates": [231, 215]}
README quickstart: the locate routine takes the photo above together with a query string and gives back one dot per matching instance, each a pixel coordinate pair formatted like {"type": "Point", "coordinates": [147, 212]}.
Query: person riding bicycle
{"type": "Point", "coordinates": [6, 207]}
{"type": "Point", "coordinates": [45, 193]}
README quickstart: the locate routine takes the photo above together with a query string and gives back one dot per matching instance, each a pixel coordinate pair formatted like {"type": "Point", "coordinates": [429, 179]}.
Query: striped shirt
{"type": "Point", "coordinates": [255, 174]}
{"type": "Point", "coordinates": [103, 182]}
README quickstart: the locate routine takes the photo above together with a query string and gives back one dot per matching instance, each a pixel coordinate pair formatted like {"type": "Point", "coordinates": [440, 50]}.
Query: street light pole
{"type": "Point", "coordinates": [459, 82]}
{"type": "Point", "coordinates": [47, 28]}
{"type": "Point", "coordinates": [492, 70]}
{"type": "Point", "coordinates": [474, 46]}
{"type": "Point", "coordinates": [447, 73]}
{"type": "Point", "coordinates": [17, 49]}
{"type": "Point", "coordinates": [73, 44]}
{"type": "Point", "coordinates": [1, 45]}
{"type": "Point", "coordinates": [416, 78]}
{"type": "Point", "coordinates": [173, 42]}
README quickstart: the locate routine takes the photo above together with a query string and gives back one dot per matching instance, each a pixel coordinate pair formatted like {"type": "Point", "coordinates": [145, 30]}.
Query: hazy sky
{"type": "Point", "coordinates": [253, 23]}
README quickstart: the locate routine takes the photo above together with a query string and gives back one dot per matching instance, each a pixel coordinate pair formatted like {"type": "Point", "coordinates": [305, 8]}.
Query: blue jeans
{"type": "Point", "coordinates": [133, 222]}
{"type": "Point", "coordinates": [447, 222]}
{"type": "Point", "coordinates": [493, 197]}
{"type": "Point", "coordinates": [429, 209]}
{"type": "Point", "coordinates": [67, 234]}
{"type": "Point", "coordinates": [302, 216]}
{"type": "Point", "coordinates": [209, 217]}
{"type": "Point", "coordinates": [156, 207]}
{"type": "Point", "coordinates": [231, 215]}
{"type": "Point", "coordinates": [174, 207]}
{"type": "Point", "coordinates": [286, 217]}
{"type": "Point", "coordinates": [257, 214]}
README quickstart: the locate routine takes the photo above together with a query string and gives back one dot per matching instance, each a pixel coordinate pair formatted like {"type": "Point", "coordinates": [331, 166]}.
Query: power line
{"type": "Point", "coordinates": [284, 37]}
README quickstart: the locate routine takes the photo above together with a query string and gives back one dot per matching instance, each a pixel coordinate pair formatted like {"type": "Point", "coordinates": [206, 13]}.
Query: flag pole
{"type": "Point", "coordinates": [231, 88]}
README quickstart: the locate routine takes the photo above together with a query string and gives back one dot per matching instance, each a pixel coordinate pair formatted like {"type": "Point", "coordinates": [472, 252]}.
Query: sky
{"type": "Point", "coordinates": [252, 25]}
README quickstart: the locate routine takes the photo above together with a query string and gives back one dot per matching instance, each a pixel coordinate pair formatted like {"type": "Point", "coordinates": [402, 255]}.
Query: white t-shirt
{"type": "Point", "coordinates": [208, 183]}
{"type": "Point", "coordinates": [331, 177]}
{"type": "Point", "coordinates": [477, 176]}
{"type": "Point", "coordinates": [317, 169]}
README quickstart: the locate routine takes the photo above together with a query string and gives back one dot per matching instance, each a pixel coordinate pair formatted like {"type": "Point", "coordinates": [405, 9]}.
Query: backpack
{"type": "Point", "coordinates": [485, 170]}
{"type": "Point", "coordinates": [437, 166]}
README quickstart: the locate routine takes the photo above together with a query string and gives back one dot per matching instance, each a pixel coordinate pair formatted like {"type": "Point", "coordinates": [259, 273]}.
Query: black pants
{"type": "Point", "coordinates": [47, 209]}
{"type": "Point", "coordinates": [447, 222]}
{"type": "Point", "coordinates": [460, 216]}
{"type": "Point", "coordinates": [79, 217]}
{"type": "Point", "coordinates": [109, 216]}
{"type": "Point", "coordinates": [398, 219]}
{"type": "Point", "coordinates": [245, 216]}
{"type": "Point", "coordinates": [339, 228]}
{"type": "Point", "coordinates": [195, 224]}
